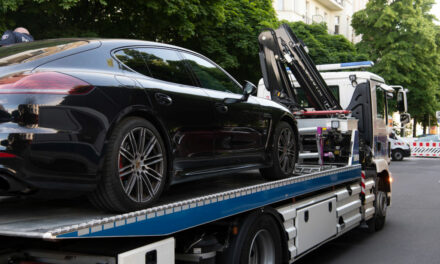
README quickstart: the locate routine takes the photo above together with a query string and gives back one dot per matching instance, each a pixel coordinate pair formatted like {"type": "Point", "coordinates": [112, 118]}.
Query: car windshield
{"type": "Point", "coordinates": [26, 52]}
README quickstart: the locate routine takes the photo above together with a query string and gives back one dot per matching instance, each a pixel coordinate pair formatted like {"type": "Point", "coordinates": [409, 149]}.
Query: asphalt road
{"type": "Point", "coordinates": [412, 230]}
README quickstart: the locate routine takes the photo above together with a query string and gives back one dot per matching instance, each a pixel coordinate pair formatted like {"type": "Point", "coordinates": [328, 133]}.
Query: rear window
{"type": "Point", "coordinates": [304, 102]}
{"type": "Point", "coordinates": [26, 52]}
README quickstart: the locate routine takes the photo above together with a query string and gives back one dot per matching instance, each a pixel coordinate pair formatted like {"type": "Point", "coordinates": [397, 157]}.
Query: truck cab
{"type": "Point", "coordinates": [366, 95]}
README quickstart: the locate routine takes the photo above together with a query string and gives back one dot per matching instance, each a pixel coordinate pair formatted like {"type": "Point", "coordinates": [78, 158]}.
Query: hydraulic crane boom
{"type": "Point", "coordinates": [281, 50]}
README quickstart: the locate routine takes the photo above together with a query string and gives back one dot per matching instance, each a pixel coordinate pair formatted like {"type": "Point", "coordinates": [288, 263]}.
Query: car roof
{"type": "Point", "coordinates": [135, 42]}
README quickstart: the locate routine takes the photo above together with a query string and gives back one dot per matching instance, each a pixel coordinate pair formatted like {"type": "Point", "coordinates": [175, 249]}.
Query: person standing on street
{"type": "Point", "coordinates": [19, 35]}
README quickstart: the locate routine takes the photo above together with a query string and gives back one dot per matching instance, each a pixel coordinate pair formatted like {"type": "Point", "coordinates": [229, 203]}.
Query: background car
{"type": "Point", "coordinates": [121, 119]}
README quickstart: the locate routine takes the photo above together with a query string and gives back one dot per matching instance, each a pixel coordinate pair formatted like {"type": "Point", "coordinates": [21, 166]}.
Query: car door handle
{"type": "Point", "coordinates": [221, 108]}
{"type": "Point", "coordinates": [163, 99]}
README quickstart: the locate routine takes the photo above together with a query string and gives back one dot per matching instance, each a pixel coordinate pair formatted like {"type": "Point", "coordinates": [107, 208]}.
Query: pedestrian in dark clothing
{"type": "Point", "coordinates": [17, 36]}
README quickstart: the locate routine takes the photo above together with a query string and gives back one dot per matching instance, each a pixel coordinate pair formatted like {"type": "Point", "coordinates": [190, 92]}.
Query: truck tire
{"type": "Point", "coordinates": [134, 169]}
{"type": "Point", "coordinates": [284, 153]}
{"type": "Point", "coordinates": [258, 241]}
{"type": "Point", "coordinates": [397, 155]}
{"type": "Point", "coordinates": [381, 210]}
{"type": "Point", "coordinates": [380, 205]}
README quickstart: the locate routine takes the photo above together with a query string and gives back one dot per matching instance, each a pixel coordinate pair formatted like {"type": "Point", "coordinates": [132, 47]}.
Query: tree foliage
{"type": "Point", "coordinates": [405, 44]}
{"type": "Point", "coordinates": [324, 47]}
{"type": "Point", "coordinates": [224, 30]}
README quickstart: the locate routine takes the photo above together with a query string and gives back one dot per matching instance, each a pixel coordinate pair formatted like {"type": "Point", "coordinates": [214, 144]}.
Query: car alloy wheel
{"type": "Point", "coordinates": [141, 165]}
{"type": "Point", "coordinates": [286, 150]}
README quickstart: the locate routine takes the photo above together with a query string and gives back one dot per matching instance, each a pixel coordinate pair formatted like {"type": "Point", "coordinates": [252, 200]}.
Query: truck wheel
{"type": "Point", "coordinates": [258, 242]}
{"type": "Point", "coordinates": [397, 155]}
{"type": "Point", "coordinates": [284, 153]}
{"type": "Point", "coordinates": [135, 168]}
{"type": "Point", "coordinates": [378, 221]}
{"type": "Point", "coordinates": [381, 210]}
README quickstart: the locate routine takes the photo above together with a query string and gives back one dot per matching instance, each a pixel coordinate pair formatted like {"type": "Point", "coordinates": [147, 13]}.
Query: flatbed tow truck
{"type": "Point", "coordinates": [339, 184]}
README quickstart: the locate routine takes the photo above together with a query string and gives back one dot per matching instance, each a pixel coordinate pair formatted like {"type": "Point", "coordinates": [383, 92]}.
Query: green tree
{"type": "Point", "coordinates": [401, 38]}
{"type": "Point", "coordinates": [225, 31]}
{"type": "Point", "coordinates": [234, 43]}
{"type": "Point", "coordinates": [324, 47]}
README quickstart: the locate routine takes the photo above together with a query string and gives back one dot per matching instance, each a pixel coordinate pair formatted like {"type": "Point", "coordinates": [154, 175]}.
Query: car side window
{"type": "Point", "coordinates": [133, 58]}
{"type": "Point", "coordinates": [210, 76]}
{"type": "Point", "coordinates": [162, 64]}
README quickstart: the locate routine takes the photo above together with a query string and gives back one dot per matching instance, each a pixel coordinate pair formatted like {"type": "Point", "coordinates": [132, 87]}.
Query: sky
{"type": "Point", "coordinates": [436, 11]}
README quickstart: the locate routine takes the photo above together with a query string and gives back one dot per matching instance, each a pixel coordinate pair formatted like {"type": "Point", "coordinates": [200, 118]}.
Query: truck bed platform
{"type": "Point", "coordinates": [183, 207]}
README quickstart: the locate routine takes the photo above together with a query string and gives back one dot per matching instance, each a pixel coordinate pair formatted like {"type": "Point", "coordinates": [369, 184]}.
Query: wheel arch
{"type": "Point", "coordinates": [384, 181]}
{"type": "Point", "coordinates": [149, 116]}
{"type": "Point", "coordinates": [383, 177]}
{"type": "Point", "coordinates": [245, 221]}
{"type": "Point", "coordinates": [280, 225]}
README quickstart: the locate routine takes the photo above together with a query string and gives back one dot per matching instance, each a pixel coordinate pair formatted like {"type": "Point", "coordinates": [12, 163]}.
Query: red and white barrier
{"type": "Point", "coordinates": [425, 149]}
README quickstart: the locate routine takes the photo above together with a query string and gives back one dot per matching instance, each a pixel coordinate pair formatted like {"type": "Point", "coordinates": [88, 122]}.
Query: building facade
{"type": "Point", "coordinates": [336, 13]}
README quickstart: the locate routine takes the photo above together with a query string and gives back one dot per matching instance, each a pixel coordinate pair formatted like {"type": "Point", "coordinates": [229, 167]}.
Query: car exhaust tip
{"type": "Point", "coordinates": [4, 183]}
{"type": "Point", "coordinates": [9, 184]}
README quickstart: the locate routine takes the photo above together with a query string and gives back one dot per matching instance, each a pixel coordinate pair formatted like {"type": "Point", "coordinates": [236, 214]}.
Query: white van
{"type": "Point", "coordinates": [399, 147]}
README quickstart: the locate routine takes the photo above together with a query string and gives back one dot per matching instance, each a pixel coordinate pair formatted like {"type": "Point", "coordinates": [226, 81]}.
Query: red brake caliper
{"type": "Point", "coordinates": [120, 162]}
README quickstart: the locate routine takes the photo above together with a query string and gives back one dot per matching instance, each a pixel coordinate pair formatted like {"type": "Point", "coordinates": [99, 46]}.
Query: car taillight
{"type": "Point", "coordinates": [7, 155]}
{"type": "Point", "coordinates": [44, 83]}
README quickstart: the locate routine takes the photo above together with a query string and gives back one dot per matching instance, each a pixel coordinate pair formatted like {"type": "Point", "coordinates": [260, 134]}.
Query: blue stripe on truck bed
{"type": "Point", "coordinates": [171, 218]}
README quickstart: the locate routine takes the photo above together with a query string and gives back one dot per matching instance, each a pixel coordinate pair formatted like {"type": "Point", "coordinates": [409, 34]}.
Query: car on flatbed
{"type": "Point", "coordinates": [122, 119]}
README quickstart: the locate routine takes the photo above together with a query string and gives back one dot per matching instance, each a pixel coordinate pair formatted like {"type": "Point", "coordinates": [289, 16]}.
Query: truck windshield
{"type": "Point", "coordinates": [26, 52]}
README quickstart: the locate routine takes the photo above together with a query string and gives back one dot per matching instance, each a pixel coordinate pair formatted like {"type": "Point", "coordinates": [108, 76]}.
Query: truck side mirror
{"type": "Point", "coordinates": [401, 101]}
{"type": "Point", "coordinates": [405, 118]}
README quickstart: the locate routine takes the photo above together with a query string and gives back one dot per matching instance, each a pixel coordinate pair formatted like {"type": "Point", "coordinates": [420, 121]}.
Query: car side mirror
{"type": "Point", "coordinates": [249, 89]}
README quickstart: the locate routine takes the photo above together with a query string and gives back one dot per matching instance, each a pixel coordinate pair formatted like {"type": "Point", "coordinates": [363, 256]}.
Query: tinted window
{"type": "Point", "coordinates": [304, 102]}
{"type": "Point", "coordinates": [335, 91]}
{"type": "Point", "coordinates": [162, 64]}
{"type": "Point", "coordinates": [133, 58]}
{"type": "Point", "coordinates": [210, 76]}
{"type": "Point", "coordinates": [380, 99]}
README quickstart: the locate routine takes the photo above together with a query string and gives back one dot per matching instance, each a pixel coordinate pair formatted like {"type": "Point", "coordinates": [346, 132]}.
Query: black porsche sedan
{"type": "Point", "coordinates": [121, 119]}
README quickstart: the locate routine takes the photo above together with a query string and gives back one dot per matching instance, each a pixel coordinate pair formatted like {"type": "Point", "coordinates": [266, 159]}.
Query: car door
{"type": "Point", "coordinates": [242, 128]}
{"type": "Point", "coordinates": [183, 108]}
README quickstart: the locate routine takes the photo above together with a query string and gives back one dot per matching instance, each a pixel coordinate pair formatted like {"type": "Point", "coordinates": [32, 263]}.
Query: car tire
{"type": "Point", "coordinates": [134, 170]}
{"type": "Point", "coordinates": [397, 155]}
{"type": "Point", "coordinates": [284, 153]}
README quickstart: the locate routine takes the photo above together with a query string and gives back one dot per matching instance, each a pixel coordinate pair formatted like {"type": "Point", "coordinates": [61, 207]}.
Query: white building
{"type": "Point", "coordinates": [336, 13]}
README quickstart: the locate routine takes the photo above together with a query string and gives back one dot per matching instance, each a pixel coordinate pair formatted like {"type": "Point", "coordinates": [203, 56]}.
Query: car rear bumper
{"type": "Point", "coordinates": [49, 144]}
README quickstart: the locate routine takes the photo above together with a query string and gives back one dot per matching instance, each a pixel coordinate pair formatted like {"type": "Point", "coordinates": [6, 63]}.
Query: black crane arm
{"type": "Point", "coordinates": [280, 49]}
